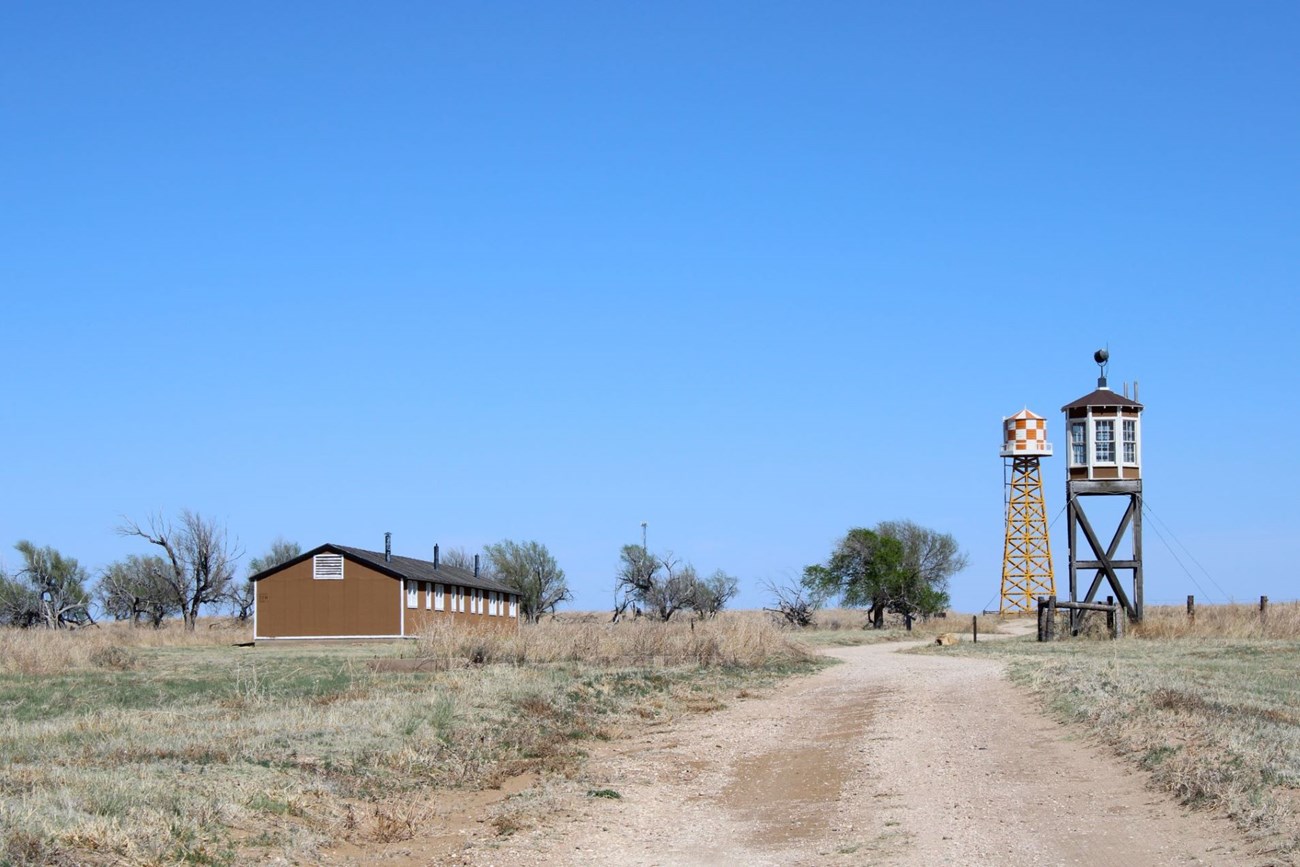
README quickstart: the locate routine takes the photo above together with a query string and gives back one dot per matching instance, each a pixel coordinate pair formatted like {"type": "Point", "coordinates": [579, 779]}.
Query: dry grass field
{"type": "Point", "coordinates": [1210, 708]}
{"type": "Point", "coordinates": [121, 745]}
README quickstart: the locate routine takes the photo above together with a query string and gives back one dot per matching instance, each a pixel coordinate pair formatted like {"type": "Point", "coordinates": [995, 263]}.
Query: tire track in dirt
{"type": "Point", "coordinates": [890, 759]}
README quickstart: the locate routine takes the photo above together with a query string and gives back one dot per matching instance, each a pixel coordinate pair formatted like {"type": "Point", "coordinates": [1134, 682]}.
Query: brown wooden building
{"type": "Point", "coordinates": [335, 591]}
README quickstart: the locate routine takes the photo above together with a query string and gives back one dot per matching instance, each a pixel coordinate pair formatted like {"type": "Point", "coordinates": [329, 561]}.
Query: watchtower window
{"type": "Point", "coordinates": [1130, 442]}
{"type": "Point", "coordinates": [1105, 433]}
{"type": "Point", "coordinates": [327, 567]}
{"type": "Point", "coordinates": [1078, 444]}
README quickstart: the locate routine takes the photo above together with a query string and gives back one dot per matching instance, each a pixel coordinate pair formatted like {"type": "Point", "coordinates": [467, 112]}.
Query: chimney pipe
{"type": "Point", "coordinates": [475, 565]}
{"type": "Point", "coordinates": [388, 547]}
{"type": "Point", "coordinates": [435, 556]}
{"type": "Point", "coordinates": [1135, 391]}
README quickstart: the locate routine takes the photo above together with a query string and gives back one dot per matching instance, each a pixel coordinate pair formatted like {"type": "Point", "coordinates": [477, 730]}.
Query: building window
{"type": "Point", "coordinates": [514, 606]}
{"type": "Point", "coordinates": [439, 602]}
{"type": "Point", "coordinates": [1130, 432]}
{"type": "Point", "coordinates": [1078, 444]}
{"type": "Point", "coordinates": [460, 600]}
{"type": "Point", "coordinates": [327, 567]}
{"type": "Point", "coordinates": [428, 596]}
{"type": "Point", "coordinates": [478, 601]}
{"type": "Point", "coordinates": [1105, 433]}
{"type": "Point", "coordinates": [412, 594]}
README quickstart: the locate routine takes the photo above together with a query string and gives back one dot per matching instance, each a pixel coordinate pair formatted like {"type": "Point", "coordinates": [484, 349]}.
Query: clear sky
{"type": "Point", "coordinates": [754, 273]}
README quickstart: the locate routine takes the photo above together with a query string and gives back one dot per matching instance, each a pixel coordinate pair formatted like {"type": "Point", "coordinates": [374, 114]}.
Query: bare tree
{"type": "Point", "coordinates": [136, 589]}
{"type": "Point", "coordinates": [200, 559]}
{"type": "Point", "coordinates": [793, 604]}
{"type": "Point", "coordinates": [460, 558]}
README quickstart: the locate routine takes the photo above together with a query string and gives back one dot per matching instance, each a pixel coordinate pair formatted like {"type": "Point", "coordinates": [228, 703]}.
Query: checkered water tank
{"type": "Point", "coordinates": [1025, 435]}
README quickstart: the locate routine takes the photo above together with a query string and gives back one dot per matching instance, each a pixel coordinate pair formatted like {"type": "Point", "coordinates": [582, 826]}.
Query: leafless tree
{"type": "Point", "coordinates": [200, 559]}
{"type": "Point", "coordinates": [793, 604]}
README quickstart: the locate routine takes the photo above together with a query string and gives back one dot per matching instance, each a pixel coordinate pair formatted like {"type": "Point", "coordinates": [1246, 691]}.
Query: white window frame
{"type": "Point", "coordinates": [460, 600]}
{"type": "Point", "coordinates": [428, 596]}
{"type": "Point", "coordinates": [1098, 442]}
{"type": "Point", "coordinates": [323, 567]}
{"type": "Point", "coordinates": [439, 600]}
{"type": "Point", "coordinates": [1127, 426]}
{"type": "Point", "coordinates": [412, 593]}
{"type": "Point", "coordinates": [1079, 445]}
{"type": "Point", "coordinates": [514, 606]}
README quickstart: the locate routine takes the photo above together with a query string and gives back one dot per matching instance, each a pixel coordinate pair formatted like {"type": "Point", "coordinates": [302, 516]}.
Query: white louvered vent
{"type": "Point", "coordinates": [327, 567]}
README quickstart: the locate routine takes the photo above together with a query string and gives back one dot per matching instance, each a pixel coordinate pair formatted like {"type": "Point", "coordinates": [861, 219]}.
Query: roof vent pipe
{"type": "Point", "coordinates": [475, 565]}
{"type": "Point", "coordinates": [1135, 391]}
{"type": "Point", "coordinates": [388, 547]}
{"type": "Point", "coordinates": [435, 556]}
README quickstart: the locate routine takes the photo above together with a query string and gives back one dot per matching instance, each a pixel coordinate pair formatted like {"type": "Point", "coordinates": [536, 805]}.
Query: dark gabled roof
{"type": "Point", "coordinates": [1101, 397]}
{"type": "Point", "coordinates": [398, 567]}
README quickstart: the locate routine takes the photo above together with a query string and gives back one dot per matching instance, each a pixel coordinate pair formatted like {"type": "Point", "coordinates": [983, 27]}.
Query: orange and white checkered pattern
{"type": "Point", "coordinates": [1025, 433]}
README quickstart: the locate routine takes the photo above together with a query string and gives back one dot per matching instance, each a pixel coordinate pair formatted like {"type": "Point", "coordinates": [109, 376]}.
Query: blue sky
{"type": "Point", "coordinates": [752, 273]}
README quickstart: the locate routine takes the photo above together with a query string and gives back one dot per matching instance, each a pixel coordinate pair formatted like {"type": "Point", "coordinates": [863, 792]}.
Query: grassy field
{"type": "Point", "coordinates": [1211, 708]}
{"type": "Point", "coordinates": [136, 746]}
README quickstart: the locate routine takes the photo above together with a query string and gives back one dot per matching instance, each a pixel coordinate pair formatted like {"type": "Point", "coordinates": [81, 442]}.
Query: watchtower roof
{"type": "Point", "coordinates": [1102, 397]}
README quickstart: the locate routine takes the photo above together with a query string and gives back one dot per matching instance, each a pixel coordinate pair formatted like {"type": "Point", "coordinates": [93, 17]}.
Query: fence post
{"type": "Point", "coordinates": [1263, 609]}
{"type": "Point", "coordinates": [975, 629]}
{"type": "Point", "coordinates": [1051, 617]}
{"type": "Point", "coordinates": [1110, 616]}
{"type": "Point", "coordinates": [1042, 618]}
{"type": "Point", "coordinates": [1191, 608]}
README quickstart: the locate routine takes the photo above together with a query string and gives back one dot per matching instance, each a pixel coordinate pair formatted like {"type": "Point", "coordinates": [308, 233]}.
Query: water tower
{"type": "Point", "coordinates": [1105, 460]}
{"type": "Point", "coordinates": [1027, 555]}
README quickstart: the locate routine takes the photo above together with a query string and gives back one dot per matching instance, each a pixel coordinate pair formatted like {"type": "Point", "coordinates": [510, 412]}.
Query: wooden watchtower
{"type": "Point", "coordinates": [1027, 553]}
{"type": "Point", "coordinates": [1105, 460]}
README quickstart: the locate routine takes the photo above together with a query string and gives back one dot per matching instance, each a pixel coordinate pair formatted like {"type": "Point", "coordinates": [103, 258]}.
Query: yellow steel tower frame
{"type": "Point", "coordinates": [1027, 557]}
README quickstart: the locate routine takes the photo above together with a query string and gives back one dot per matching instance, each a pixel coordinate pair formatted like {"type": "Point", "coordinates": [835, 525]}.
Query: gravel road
{"type": "Point", "coordinates": [889, 758]}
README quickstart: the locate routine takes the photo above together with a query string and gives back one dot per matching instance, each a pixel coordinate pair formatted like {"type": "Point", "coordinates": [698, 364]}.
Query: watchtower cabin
{"type": "Point", "coordinates": [1027, 553]}
{"type": "Point", "coordinates": [340, 592]}
{"type": "Point", "coordinates": [1105, 460]}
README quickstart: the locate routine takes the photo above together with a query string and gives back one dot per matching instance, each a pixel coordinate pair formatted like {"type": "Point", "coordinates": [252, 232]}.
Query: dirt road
{"type": "Point", "coordinates": [890, 758]}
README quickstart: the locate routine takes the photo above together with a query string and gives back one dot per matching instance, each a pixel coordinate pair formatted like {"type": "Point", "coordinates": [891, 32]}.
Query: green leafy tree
{"type": "Point", "coordinates": [19, 603]}
{"type": "Point", "coordinates": [136, 589]}
{"type": "Point", "coordinates": [661, 586]}
{"type": "Point", "coordinates": [56, 588]}
{"type": "Point", "coordinates": [529, 568]}
{"type": "Point", "coordinates": [711, 594]}
{"type": "Point", "coordinates": [899, 567]}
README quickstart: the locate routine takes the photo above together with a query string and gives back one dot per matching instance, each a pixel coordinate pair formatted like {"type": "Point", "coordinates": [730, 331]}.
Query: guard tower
{"type": "Point", "coordinates": [1105, 460]}
{"type": "Point", "coordinates": [1027, 555]}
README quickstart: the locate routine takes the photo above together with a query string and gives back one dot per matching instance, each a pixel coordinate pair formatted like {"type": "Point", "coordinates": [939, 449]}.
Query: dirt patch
{"type": "Point", "coordinates": [784, 792]}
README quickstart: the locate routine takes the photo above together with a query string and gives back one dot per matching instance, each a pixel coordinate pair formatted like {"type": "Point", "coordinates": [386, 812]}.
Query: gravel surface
{"type": "Point", "coordinates": [889, 758]}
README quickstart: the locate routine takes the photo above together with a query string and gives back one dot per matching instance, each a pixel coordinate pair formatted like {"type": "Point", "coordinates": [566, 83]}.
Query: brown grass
{"type": "Point", "coordinates": [737, 640]}
{"type": "Point", "coordinates": [1244, 621]}
{"type": "Point", "coordinates": [135, 746]}
{"type": "Point", "coordinates": [1208, 709]}
{"type": "Point", "coordinates": [107, 646]}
